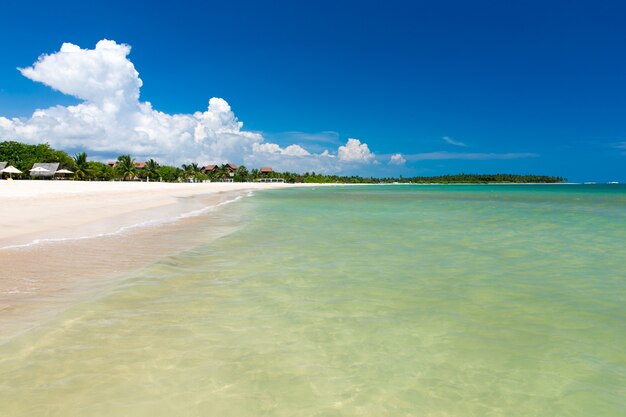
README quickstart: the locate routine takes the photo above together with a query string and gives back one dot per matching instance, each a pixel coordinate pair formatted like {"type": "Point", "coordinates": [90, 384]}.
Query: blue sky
{"type": "Point", "coordinates": [451, 86]}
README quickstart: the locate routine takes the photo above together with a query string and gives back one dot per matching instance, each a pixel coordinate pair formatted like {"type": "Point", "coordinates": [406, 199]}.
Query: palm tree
{"type": "Point", "coordinates": [223, 172]}
{"type": "Point", "coordinates": [151, 169]}
{"type": "Point", "coordinates": [242, 174]}
{"type": "Point", "coordinates": [190, 170]}
{"type": "Point", "coordinates": [82, 166]}
{"type": "Point", "coordinates": [126, 167]}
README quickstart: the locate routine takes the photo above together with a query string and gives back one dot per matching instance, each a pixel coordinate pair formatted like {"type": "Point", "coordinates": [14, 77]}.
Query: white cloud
{"type": "Point", "coordinates": [102, 75]}
{"type": "Point", "coordinates": [272, 148]}
{"type": "Point", "coordinates": [451, 141]}
{"type": "Point", "coordinates": [112, 120]}
{"type": "Point", "coordinates": [268, 148]}
{"type": "Point", "coordinates": [397, 159]}
{"type": "Point", "coordinates": [355, 151]}
{"type": "Point", "coordinates": [295, 150]}
{"type": "Point", "coordinates": [293, 158]}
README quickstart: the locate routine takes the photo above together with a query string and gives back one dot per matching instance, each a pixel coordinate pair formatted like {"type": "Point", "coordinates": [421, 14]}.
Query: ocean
{"type": "Point", "coordinates": [457, 300]}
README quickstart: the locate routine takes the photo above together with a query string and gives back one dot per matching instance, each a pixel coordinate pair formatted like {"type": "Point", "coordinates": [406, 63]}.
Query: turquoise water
{"type": "Point", "coordinates": [356, 301]}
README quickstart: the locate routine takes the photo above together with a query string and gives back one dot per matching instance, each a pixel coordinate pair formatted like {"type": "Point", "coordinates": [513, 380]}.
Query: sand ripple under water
{"type": "Point", "coordinates": [361, 301]}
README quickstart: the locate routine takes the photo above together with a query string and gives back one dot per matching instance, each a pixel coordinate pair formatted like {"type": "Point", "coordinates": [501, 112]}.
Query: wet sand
{"type": "Point", "coordinates": [62, 242]}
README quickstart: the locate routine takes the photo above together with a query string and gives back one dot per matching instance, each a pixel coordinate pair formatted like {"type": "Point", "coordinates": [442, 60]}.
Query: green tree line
{"type": "Point", "coordinates": [23, 156]}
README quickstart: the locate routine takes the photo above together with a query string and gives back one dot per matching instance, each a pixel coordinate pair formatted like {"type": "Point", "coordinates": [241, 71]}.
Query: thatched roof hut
{"type": "Point", "coordinates": [50, 167]}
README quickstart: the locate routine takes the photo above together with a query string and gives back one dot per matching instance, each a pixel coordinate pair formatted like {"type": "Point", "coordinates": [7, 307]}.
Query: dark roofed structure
{"type": "Point", "coordinates": [266, 170]}
{"type": "Point", "coordinates": [208, 168]}
{"type": "Point", "coordinates": [231, 167]}
{"type": "Point", "coordinates": [50, 167]}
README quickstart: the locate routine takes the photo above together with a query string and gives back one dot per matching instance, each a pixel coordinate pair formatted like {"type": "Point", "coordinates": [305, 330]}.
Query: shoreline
{"type": "Point", "coordinates": [53, 211]}
{"type": "Point", "coordinates": [78, 239]}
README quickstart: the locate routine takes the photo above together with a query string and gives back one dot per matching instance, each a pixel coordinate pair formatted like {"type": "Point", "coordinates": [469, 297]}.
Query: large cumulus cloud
{"type": "Point", "coordinates": [111, 119]}
{"type": "Point", "coordinates": [355, 151]}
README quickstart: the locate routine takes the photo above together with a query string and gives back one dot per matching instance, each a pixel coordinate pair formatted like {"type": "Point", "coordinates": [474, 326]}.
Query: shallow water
{"type": "Point", "coordinates": [356, 301]}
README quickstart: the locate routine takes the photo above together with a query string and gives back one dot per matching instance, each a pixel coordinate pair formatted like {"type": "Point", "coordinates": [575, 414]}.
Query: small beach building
{"type": "Point", "coordinates": [44, 170]}
{"type": "Point", "coordinates": [60, 174]}
{"type": "Point", "coordinates": [265, 175]}
{"type": "Point", "coordinates": [231, 169]}
{"type": "Point", "coordinates": [209, 168]}
{"type": "Point", "coordinates": [3, 165]}
{"type": "Point", "coordinates": [9, 171]}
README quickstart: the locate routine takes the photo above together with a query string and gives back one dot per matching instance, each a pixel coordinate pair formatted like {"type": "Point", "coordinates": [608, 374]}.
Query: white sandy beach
{"type": "Point", "coordinates": [38, 210]}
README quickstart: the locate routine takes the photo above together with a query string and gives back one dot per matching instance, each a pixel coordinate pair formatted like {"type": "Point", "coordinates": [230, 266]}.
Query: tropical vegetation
{"type": "Point", "coordinates": [81, 166]}
{"type": "Point", "coordinates": [23, 156]}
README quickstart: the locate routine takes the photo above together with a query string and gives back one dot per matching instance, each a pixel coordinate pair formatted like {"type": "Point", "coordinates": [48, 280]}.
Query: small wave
{"type": "Point", "coordinates": [128, 228]}
{"type": "Point", "coordinates": [203, 210]}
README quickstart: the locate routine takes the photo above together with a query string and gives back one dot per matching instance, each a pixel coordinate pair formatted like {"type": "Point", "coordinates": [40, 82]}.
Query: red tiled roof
{"type": "Point", "coordinates": [231, 166]}
{"type": "Point", "coordinates": [266, 169]}
{"type": "Point", "coordinates": [209, 168]}
{"type": "Point", "coordinates": [140, 165]}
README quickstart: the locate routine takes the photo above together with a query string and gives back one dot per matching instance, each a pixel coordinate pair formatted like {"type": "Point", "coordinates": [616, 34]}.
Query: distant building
{"type": "Point", "coordinates": [265, 171]}
{"type": "Point", "coordinates": [46, 170]}
{"type": "Point", "coordinates": [138, 165]}
{"type": "Point", "coordinates": [209, 168]}
{"type": "Point", "coordinates": [214, 168]}
{"type": "Point", "coordinates": [231, 169]}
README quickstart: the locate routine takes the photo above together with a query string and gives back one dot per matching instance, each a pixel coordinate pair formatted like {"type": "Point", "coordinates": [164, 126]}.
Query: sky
{"type": "Point", "coordinates": [383, 88]}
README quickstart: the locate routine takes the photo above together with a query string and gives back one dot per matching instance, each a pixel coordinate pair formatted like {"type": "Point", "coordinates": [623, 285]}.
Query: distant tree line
{"type": "Point", "coordinates": [442, 179]}
{"type": "Point", "coordinates": [23, 156]}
